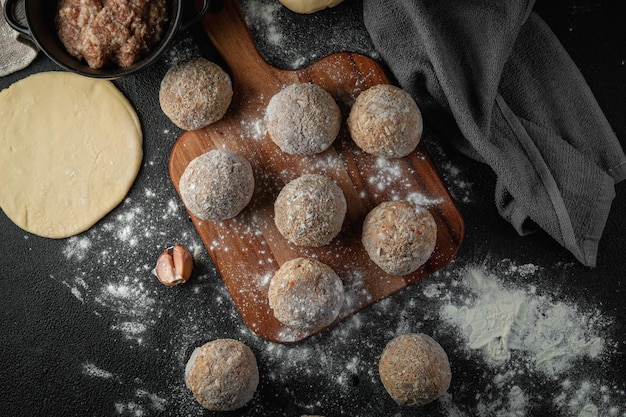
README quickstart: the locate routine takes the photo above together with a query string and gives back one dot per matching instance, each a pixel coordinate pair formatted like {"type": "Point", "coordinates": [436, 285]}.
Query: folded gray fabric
{"type": "Point", "coordinates": [15, 53]}
{"type": "Point", "coordinates": [495, 81]}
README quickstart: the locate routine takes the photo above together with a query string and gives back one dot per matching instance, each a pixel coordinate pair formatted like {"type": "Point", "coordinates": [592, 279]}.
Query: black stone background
{"type": "Point", "coordinates": [48, 334]}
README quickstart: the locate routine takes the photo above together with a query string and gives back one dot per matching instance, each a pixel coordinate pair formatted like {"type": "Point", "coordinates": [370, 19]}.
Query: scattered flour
{"type": "Point", "coordinates": [514, 404]}
{"type": "Point", "coordinates": [184, 48]}
{"type": "Point", "coordinates": [116, 279]}
{"type": "Point", "coordinates": [501, 321]}
{"type": "Point", "coordinates": [76, 248]}
{"type": "Point", "coordinates": [92, 370]}
{"type": "Point", "coordinates": [393, 180]}
{"type": "Point", "coordinates": [255, 128]}
{"type": "Point", "coordinates": [280, 38]}
{"type": "Point", "coordinates": [531, 348]}
{"type": "Point", "coordinates": [512, 333]}
{"type": "Point", "coordinates": [538, 349]}
{"type": "Point", "coordinates": [459, 186]}
{"type": "Point", "coordinates": [261, 16]}
{"type": "Point", "coordinates": [588, 398]}
{"type": "Point", "coordinates": [142, 405]}
{"type": "Point", "coordinates": [113, 278]}
{"type": "Point", "coordinates": [388, 172]}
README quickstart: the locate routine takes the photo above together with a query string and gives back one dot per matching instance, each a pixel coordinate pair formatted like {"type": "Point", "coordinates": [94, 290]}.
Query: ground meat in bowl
{"type": "Point", "coordinates": [110, 31]}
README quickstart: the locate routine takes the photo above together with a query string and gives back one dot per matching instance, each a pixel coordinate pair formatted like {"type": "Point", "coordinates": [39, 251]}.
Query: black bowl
{"type": "Point", "coordinates": [40, 28]}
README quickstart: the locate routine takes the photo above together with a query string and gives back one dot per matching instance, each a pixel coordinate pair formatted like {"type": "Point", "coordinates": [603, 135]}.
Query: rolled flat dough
{"type": "Point", "coordinates": [70, 149]}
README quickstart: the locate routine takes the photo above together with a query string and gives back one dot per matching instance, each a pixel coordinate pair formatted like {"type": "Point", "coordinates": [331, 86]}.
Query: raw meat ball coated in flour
{"type": "Point", "coordinates": [222, 374]}
{"type": "Point", "coordinates": [414, 369]}
{"type": "Point", "coordinates": [195, 93]}
{"type": "Point", "coordinates": [306, 294]}
{"type": "Point", "coordinates": [217, 185]}
{"type": "Point", "coordinates": [399, 236]}
{"type": "Point", "coordinates": [385, 121]}
{"type": "Point", "coordinates": [303, 119]}
{"type": "Point", "coordinates": [309, 211]}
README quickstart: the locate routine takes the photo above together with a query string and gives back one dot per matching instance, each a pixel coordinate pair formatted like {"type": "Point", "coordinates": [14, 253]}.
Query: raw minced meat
{"type": "Point", "coordinates": [110, 31]}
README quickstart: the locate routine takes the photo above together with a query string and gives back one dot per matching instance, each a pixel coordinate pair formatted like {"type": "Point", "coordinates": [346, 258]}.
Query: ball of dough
{"type": "Point", "coordinates": [309, 6]}
{"type": "Point", "coordinates": [303, 119]}
{"type": "Point", "coordinates": [222, 374]}
{"type": "Point", "coordinates": [217, 185]}
{"type": "Point", "coordinates": [414, 369]}
{"type": "Point", "coordinates": [306, 294]}
{"type": "Point", "coordinates": [195, 93]}
{"type": "Point", "coordinates": [385, 121]}
{"type": "Point", "coordinates": [309, 211]}
{"type": "Point", "coordinates": [399, 236]}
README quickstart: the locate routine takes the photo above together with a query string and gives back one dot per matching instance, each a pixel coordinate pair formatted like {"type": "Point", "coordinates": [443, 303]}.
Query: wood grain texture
{"type": "Point", "coordinates": [248, 249]}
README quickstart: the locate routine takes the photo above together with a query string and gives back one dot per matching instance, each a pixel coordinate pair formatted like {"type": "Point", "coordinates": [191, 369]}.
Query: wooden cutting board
{"type": "Point", "coordinates": [248, 249]}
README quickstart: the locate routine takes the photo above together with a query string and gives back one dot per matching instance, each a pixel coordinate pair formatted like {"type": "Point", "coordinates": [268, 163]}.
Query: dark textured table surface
{"type": "Point", "coordinates": [86, 330]}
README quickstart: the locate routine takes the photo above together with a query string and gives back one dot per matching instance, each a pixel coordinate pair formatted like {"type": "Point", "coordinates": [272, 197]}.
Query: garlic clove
{"type": "Point", "coordinates": [164, 269]}
{"type": "Point", "coordinates": [174, 265]}
{"type": "Point", "coordinates": [183, 262]}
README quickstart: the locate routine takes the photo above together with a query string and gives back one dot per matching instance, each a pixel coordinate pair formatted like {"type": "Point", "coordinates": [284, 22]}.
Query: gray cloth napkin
{"type": "Point", "coordinates": [16, 53]}
{"type": "Point", "coordinates": [493, 79]}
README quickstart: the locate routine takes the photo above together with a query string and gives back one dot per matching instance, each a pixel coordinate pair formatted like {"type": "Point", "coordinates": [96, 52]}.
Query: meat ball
{"type": "Point", "coordinates": [414, 369]}
{"type": "Point", "coordinates": [385, 121]}
{"type": "Point", "coordinates": [306, 294]}
{"type": "Point", "coordinates": [399, 236]}
{"type": "Point", "coordinates": [195, 93]}
{"type": "Point", "coordinates": [217, 185]}
{"type": "Point", "coordinates": [309, 211]}
{"type": "Point", "coordinates": [222, 374]}
{"type": "Point", "coordinates": [303, 119]}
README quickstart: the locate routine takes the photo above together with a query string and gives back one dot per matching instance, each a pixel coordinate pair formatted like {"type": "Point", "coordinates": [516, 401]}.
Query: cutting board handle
{"type": "Point", "coordinates": [228, 31]}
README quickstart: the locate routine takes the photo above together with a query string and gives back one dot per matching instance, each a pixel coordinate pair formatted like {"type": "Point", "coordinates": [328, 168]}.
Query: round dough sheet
{"type": "Point", "coordinates": [70, 149]}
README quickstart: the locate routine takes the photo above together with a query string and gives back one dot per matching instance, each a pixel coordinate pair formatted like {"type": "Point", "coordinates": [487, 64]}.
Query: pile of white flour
{"type": "Point", "coordinates": [536, 349]}
{"type": "Point", "coordinates": [500, 322]}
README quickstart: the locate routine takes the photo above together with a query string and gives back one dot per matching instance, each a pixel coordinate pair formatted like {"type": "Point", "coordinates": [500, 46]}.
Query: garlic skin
{"type": "Point", "coordinates": [174, 265]}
